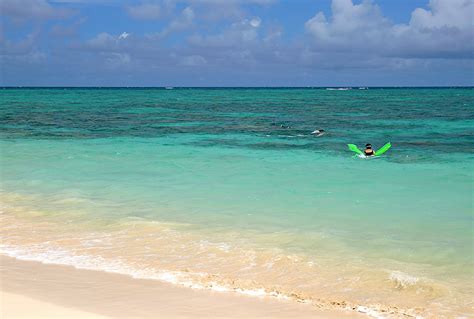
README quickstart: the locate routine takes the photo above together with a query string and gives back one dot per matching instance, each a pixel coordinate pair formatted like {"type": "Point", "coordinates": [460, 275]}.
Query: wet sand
{"type": "Point", "coordinates": [35, 290]}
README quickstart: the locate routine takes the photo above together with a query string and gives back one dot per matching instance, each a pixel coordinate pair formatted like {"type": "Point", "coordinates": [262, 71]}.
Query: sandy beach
{"type": "Point", "coordinates": [36, 290]}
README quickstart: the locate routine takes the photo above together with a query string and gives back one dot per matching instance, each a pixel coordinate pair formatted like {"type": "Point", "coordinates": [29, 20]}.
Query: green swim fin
{"type": "Point", "coordinates": [383, 149]}
{"type": "Point", "coordinates": [354, 148]}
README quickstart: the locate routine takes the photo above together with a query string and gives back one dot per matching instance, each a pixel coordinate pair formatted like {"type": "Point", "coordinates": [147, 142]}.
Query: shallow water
{"type": "Point", "coordinates": [227, 189]}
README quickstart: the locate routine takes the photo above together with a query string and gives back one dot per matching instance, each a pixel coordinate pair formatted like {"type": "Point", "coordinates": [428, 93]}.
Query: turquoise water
{"type": "Point", "coordinates": [239, 167]}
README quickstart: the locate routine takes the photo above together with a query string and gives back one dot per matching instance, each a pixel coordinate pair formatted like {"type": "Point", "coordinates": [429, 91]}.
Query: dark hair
{"type": "Point", "coordinates": [368, 145]}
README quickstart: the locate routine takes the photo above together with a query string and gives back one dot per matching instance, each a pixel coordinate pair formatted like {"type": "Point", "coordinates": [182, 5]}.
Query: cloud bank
{"type": "Point", "coordinates": [208, 42]}
{"type": "Point", "coordinates": [444, 31]}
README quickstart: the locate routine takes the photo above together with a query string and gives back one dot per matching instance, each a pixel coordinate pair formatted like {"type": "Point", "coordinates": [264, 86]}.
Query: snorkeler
{"type": "Point", "coordinates": [319, 132]}
{"type": "Point", "coordinates": [368, 150]}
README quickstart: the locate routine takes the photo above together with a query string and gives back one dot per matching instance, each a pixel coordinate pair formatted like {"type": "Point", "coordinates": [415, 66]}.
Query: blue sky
{"type": "Point", "coordinates": [237, 43]}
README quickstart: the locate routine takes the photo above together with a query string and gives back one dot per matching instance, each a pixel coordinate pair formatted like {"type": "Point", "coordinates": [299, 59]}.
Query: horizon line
{"type": "Point", "coordinates": [235, 87]}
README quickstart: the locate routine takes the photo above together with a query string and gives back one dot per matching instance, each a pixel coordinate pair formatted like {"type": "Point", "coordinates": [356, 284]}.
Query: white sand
{"type": "Point", "coordinates": [16, 306]}
{"type": "Point", "coordinates": [35, 290]}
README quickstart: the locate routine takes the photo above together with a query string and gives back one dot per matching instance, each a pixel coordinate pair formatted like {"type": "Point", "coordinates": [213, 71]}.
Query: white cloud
{"type": "Point", "coordinates": [124, 35]}
{"type": "Point", "coordinates": [255, 22]}
{"type": "Point", "coordinates": [351, 25]}
{"type": "Point", "coordinates": [443, 13]}
{"type": "Point", "coordinates": [443, 31]}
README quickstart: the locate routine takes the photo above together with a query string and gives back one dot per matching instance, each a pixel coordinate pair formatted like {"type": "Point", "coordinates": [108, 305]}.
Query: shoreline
{"type": "Point", "coordinates": [30, 289]}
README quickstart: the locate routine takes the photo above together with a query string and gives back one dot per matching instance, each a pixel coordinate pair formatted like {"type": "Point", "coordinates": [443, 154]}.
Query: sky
{"type": "Point", "coordinates": [237, 43]}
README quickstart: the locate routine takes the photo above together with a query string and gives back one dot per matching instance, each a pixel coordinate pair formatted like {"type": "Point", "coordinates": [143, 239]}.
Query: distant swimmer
{"type": "Point", "coordinates": [280, 125]}
{"type": "Point", "coordinates": [368, 150]}
{"type": "Point", "coordinates": [319, 132]}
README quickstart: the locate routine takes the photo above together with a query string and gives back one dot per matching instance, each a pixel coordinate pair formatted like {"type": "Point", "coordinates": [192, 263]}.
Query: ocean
{"type": "Point", "coordinates": [227, 189]}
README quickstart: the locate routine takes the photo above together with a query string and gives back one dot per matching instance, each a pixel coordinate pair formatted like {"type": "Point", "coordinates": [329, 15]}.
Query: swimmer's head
{"type": "Point", "coordinates": [368, 146]}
